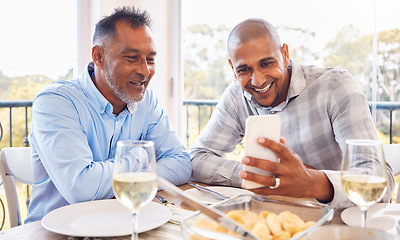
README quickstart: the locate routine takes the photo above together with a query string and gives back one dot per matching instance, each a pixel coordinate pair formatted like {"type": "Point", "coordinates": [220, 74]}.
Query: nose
{"type": "Point", "coordinates": [143, 68]}
{"type": "Point", "coordinates": [257, 79]}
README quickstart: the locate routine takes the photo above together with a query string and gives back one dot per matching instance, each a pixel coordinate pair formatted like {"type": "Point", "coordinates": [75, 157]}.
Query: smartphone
{"type": "Point", "coordinates": [267, 126]}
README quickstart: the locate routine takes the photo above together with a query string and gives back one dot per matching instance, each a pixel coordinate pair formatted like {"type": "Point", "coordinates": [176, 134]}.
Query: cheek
{"type": "Point", "coordinates": [243, 81]}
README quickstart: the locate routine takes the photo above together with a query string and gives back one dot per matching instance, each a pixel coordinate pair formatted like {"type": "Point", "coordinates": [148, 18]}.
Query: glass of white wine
{"type": "Point", "coordinates": [364, 176]}
{"type": "Point", "coordinates": [134, 176]}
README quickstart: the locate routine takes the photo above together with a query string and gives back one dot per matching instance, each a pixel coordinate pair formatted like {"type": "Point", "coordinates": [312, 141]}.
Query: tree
{"type": "Point", "coordinates": [299, 42]}
{"type": "Point", "coordinates": [206, 69]}
{"type": "Point", "coordinates": [389, 64]}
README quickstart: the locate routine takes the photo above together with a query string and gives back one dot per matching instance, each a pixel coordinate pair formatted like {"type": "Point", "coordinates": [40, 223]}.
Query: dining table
{"type": "Point", "coordinates": [168, 231]}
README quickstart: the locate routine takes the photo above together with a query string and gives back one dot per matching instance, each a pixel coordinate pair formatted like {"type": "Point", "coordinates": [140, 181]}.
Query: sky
{"type": "Point", "coordinates": [326, 20]}
{"type": "Point", "coordinates": [39, 36]}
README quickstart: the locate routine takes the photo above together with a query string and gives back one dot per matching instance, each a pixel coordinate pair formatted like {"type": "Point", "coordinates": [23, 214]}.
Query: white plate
{"type": "Point", "coordinates": [103, 218]}
{"type": "Point", "coordinates": [227, 191]}
{"type": "Point", "coordinates": [334, 232]}
{"type": "Point", "coordinates": [381, 216]}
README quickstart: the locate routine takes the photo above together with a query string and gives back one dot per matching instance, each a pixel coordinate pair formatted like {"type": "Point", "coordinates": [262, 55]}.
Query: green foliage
{"type": "Point", "coordinates": [350, 50]}
{"type": "Point", "coordinates": [206, 69]}
{"type": "Point", "coordinates": [300, 42]}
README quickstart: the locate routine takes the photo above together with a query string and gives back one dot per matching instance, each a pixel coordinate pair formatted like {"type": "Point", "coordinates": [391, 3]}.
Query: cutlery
{"type": "Point", "coordinates": [210, 192]}
{"type": "Point", "coordinates": [162, 199]}
{"type": "Point", "coordinates": [213, 213]}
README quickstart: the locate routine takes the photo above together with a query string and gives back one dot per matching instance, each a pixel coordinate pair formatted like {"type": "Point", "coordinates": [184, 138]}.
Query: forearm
{"type": "Point", "coordinates": [175, 169]}
{"type": "Point", "coordinates": [212, 169]}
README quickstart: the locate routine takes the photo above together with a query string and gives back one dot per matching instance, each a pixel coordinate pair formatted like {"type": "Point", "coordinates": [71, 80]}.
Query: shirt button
{"type": "Point", "coordinates": [272, 112]}
{"type": "Point", "coordinates": [101, 109]}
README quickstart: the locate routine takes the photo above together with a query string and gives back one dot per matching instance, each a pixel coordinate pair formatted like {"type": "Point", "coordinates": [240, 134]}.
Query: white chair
{"type": "Point", "coordinates": [392, 156]}
{"type": "Point", "coordinates": [15, 164]}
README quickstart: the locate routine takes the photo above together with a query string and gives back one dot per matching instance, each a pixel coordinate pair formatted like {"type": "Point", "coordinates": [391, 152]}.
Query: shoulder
{"type": "Point", "coordinates": [312, 73]}
{"type": "Point", "coordinates": [329, 77]}
{"type": "Point", "coordinates": [62, 87]}
{"type": "Point", "coordinates": [233, 92]}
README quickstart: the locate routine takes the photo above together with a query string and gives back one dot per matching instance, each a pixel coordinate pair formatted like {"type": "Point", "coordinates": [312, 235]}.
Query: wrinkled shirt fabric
{"type": "Point", "coordinates": [73, 136]}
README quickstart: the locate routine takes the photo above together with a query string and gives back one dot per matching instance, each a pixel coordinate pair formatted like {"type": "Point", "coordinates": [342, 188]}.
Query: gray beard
{"type": "Point", "coordinates": [119, 91]}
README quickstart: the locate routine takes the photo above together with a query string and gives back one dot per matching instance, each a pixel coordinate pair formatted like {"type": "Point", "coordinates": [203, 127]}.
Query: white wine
{"type": "Point", "coordinates": [364, 190]}
{"type": "Point", "coordinates": [135, 189]}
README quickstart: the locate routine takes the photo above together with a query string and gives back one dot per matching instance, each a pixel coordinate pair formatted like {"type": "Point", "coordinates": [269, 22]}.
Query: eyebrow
{"type": "Point", "coordinates": [267, 59]}
{"type": "Point", "coordinates": [242, 66]}
{"type": "Point", "coordinates": [260, 61]}
{"type": "Point", "coordinates": [153, 53]}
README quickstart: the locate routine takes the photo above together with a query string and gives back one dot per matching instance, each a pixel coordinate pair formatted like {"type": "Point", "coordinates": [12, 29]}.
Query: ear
{"type": "Point", "coordinates": [233, 69]}
{"type": "Point", "coordinates": [285, 54]}
{"type": "Point", "coordinates": [98, 56]}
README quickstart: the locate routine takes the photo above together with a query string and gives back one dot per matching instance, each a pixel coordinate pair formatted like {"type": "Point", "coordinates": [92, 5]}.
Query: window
{"type": "Point", "coordinates": [327, 33]}
{"type": "Point", "coordinates": [38, 46]}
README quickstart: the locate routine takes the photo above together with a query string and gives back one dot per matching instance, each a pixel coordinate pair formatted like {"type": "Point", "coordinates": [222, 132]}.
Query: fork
{"type": "Point", "coordinates": [163, 200]}
{"type": "Point", "coordinates": [210, 192]}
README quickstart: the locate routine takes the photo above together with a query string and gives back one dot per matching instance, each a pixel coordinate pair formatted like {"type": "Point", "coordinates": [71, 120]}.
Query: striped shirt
{"type": "Point", "coordinates": [323, 108]}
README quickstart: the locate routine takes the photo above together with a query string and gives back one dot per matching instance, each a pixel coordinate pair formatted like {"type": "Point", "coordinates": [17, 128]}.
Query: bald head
{"type": "Point", "coordinates": [251, 29]}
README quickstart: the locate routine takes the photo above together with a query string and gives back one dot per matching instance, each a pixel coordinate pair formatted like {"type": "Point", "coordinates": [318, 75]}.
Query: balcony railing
{"type": "Point", "coordinates": [15, 104]}
{"type": "Point", "coordinates": [200, 110]}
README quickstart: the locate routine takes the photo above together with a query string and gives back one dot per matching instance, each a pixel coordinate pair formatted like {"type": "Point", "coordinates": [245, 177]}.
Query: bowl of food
{"type": "Point", "coordinates": [333, 232]}
{"type": "Point", "coordinates": [266, 217]}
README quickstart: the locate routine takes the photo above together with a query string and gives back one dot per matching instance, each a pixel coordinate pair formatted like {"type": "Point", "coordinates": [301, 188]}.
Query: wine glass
{"type": "Point", "coordinates": [364, 176]}
{"type": "Point", "coordinates": [134, 176]}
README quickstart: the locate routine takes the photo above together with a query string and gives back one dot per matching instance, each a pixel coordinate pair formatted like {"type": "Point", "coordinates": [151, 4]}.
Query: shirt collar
{"type": "Point", "coordinates": [296, 86]}
{"type": "Point", "coordinates": [94, 94]}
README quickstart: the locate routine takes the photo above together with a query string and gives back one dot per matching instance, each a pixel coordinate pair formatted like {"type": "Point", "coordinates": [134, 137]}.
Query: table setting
{"type": "Point", "coordinates": [157, 209]}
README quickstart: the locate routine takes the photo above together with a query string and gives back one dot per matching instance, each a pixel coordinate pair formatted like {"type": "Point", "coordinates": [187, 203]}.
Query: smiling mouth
{"type": "Point", "coordinates": [139, 83]}
{"type": "Point", "coordinates": [262, 90]}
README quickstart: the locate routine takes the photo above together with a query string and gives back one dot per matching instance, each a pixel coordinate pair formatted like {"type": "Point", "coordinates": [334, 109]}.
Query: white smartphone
{"type": "Point", "coordinates": [267, 126]}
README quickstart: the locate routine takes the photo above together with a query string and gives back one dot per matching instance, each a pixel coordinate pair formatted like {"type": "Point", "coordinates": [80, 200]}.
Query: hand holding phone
{"type": "Point", "coordinates": [267, 126]}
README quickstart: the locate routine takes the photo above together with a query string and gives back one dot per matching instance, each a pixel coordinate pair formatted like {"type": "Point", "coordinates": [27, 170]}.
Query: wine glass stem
{"type": "Point", "coordinates": [363, 217]}
{"type": "Point", "coordinates": [135, 221]}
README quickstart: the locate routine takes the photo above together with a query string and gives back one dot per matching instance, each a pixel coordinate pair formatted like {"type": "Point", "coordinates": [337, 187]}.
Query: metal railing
{"type": "Point", "coordinates": [391, 107]}
{"type": "Point", "coordinates": [206, 105]}
{"type": "Point", "coordinates": [16, 104]}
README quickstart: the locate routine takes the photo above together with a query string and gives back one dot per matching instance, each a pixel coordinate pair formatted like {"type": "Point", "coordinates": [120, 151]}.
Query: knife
{"type": "Point", "coordinates": [210, 192]}
{"type": "Point", "coordinates": [213, 213]}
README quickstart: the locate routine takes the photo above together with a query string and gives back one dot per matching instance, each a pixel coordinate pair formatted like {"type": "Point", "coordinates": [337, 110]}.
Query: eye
{"type": "Point", "coordinates": [266, 64]}
{"type": "Point", "coordinates": [242, 70]}
{"type": "Point", "coordinates": [150, 60]}
{"type": "Point", "coordinates": [131, 58]}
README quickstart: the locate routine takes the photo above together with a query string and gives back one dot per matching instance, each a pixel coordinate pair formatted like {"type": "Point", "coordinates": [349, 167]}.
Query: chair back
{"type": "Point", "coordinates": [15, 164]}
{"type": "Point", "coordinates": [392, 156]}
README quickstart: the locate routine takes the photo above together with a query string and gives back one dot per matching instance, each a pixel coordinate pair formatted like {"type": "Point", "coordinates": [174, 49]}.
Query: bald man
{"type": "Point", "coordinates": [319, 107]}
{"type": "Point", "coordinates": [76, 124]}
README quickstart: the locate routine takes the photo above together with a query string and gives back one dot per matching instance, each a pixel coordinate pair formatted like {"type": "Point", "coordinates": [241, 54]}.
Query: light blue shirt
{"type": "Point", "coordinates": [73, 136]}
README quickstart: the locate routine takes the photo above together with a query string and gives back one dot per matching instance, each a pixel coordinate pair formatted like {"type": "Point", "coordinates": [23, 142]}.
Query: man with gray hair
{"type": "Point", "coordinates": [76, 124]}
{"type": "Point", "coordinates": [319, 108]}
